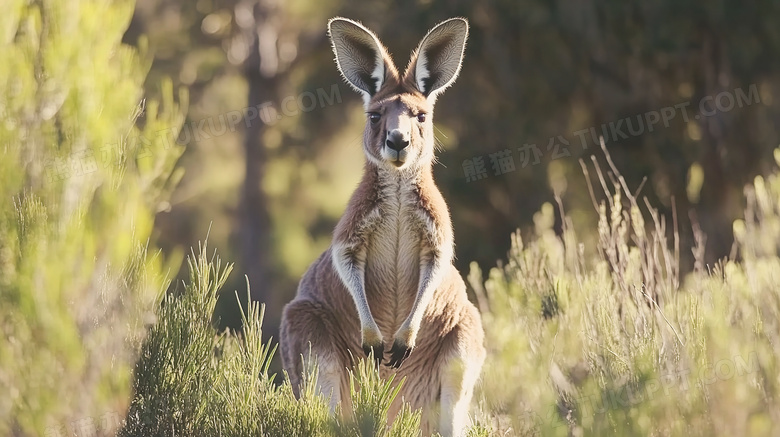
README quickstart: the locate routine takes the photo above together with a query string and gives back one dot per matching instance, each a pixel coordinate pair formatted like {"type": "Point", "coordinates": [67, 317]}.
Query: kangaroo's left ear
{"type": "Point", "coordinates": [436, 62]}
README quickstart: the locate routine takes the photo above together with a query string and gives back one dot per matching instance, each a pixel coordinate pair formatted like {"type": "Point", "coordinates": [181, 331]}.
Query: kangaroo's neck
{"type": "Point", "coordinates": [385, 197]}
{"type": "Point", "coordinates": [387, 181]}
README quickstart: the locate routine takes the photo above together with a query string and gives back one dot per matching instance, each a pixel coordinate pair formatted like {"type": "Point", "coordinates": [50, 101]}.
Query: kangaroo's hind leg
{"type": "Point", "coordinates": [461, 363]}
{"type": "Point", "coordinates": [304, 335]}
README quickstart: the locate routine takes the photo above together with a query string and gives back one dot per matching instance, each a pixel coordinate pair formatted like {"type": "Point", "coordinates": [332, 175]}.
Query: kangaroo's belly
{"type": "Point", "coordinates": [392, 270]}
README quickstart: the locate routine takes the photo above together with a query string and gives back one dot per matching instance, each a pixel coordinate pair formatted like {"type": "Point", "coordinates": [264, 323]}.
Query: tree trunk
{"type": "Point", "coordinates": [261, 72]}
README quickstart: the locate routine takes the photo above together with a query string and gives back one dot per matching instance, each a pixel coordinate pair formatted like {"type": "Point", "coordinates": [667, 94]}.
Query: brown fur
{"type": "Point", "coordinates": [396, 229]}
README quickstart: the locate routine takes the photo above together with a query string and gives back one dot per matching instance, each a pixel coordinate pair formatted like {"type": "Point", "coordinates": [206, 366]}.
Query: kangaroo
{"type": "Point", "coordinates": [388, 273]}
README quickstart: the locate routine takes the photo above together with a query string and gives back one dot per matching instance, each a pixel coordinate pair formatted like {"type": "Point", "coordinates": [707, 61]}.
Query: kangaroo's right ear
{"type": "Point", "coordinates": [361, 58]}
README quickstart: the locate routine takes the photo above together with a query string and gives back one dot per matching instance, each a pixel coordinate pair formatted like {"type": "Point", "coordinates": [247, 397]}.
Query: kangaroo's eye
{"type": "Point", "coordinates": [374, 117]}
{"type": "Point", "coordinates": [421, 117]}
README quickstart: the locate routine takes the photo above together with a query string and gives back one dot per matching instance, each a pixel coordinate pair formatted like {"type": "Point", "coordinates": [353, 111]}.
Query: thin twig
{"type": "Point", "coordinates": [676, 232]}
{"type": "Point", "coordinates": [608, 350]}
{"type": "Point", "coordinates": [664, 316]}
{"type": "Point", "coordinates": [590, 186]}
{"type": "Point", "coordinates": [641, 185]}
{"type": "Point", "coordinates": [602, 181]}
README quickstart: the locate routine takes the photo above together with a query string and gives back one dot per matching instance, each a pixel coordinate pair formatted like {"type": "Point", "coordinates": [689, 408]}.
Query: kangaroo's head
{"type": "Point", "coordinates": [399, 108]}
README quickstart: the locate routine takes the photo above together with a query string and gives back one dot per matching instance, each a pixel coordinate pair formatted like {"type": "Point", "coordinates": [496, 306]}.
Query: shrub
{"type": "Point", "coordinates": [78, 194]}
{"type": "Point", "coordinates": [191, 381]}
{"type": "Point", "coordinates": [614, 345]}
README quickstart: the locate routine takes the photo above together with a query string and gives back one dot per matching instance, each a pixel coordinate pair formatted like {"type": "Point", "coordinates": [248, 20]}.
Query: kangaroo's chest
{"type": "Point", "coordinates": [392, 267]}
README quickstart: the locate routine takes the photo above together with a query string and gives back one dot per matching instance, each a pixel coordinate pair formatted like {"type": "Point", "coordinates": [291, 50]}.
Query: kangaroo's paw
{"type": "Point", "coordinates": [399, 353]}
{"type": "Point", "coordinates": [373, 344]}
{"type": "Point", "coordinates": [376, 351]}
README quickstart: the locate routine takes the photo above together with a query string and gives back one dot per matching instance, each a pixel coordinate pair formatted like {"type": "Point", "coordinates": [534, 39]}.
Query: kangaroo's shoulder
{"type": "Point", "coordinates": [431, 200]}
{"type": "Point", "coordinates": [433, 212]}
{"type": "Point", "coordinates": [362, 204]}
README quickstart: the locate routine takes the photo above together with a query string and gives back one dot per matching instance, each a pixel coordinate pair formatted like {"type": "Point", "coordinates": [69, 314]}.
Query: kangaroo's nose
{"type": "Point", "coordinates": [396, 140]}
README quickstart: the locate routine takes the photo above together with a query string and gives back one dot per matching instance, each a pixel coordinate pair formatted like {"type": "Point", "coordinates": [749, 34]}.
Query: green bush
{"type": "Point", "coordinates": [614, 345]}
{"type": "Point", "coordinates": [78, 195]}
{"type": "Point", "coordinates": [191, 381]}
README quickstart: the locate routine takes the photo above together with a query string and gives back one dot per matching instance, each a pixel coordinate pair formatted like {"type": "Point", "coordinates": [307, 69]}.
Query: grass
{"type": "Point", "coordinates": [191, 380]}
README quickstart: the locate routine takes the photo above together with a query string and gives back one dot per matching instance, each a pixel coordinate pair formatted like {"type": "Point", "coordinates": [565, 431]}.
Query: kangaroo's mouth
{"type": "Point", "coordinates": [395, 157]}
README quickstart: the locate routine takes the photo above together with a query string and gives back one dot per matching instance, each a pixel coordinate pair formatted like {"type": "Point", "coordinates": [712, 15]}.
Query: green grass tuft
{"type": "Point", "coordinates": [191, 380]}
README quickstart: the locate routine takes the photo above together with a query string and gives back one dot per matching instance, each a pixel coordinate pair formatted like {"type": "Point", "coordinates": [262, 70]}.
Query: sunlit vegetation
{"type": "Point", "coordinates": [592, 328]}
{"type": "Point", "coordinates": [619, 344]}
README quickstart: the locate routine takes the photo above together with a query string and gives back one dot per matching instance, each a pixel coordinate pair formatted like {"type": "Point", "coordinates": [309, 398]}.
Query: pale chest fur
{"type": "Point", "coordinates": [392, 269]}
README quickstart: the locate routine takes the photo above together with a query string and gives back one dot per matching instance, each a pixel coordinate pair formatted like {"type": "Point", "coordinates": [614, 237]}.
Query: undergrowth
{"type": "Point", "coordinates": [191, 380]}
{"type": "Point", "coordinates": [619, 344]}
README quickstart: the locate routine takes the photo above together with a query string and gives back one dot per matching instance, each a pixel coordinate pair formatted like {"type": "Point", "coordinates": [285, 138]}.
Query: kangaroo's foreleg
{"type": "Point", "coordinates": [349, 260]}
{"type": "Point", "coordinates": [435, 258]}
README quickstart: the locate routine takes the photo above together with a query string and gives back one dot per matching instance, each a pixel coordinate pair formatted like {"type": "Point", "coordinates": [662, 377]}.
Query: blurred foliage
{"type": "Point", "coordinates": [79, 195]}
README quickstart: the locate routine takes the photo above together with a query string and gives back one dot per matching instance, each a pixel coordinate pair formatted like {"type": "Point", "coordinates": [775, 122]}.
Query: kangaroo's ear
{"type": "Point", "coordinates": [360, 56]}
{"type": "Point", "coordinates": [436, 62]}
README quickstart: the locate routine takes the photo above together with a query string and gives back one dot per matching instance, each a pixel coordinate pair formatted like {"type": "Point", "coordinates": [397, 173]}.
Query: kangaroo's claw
{"type": "Point", "coordinates": [377, 351]}
{"type": "Point", "coordinates": [398, 354]}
